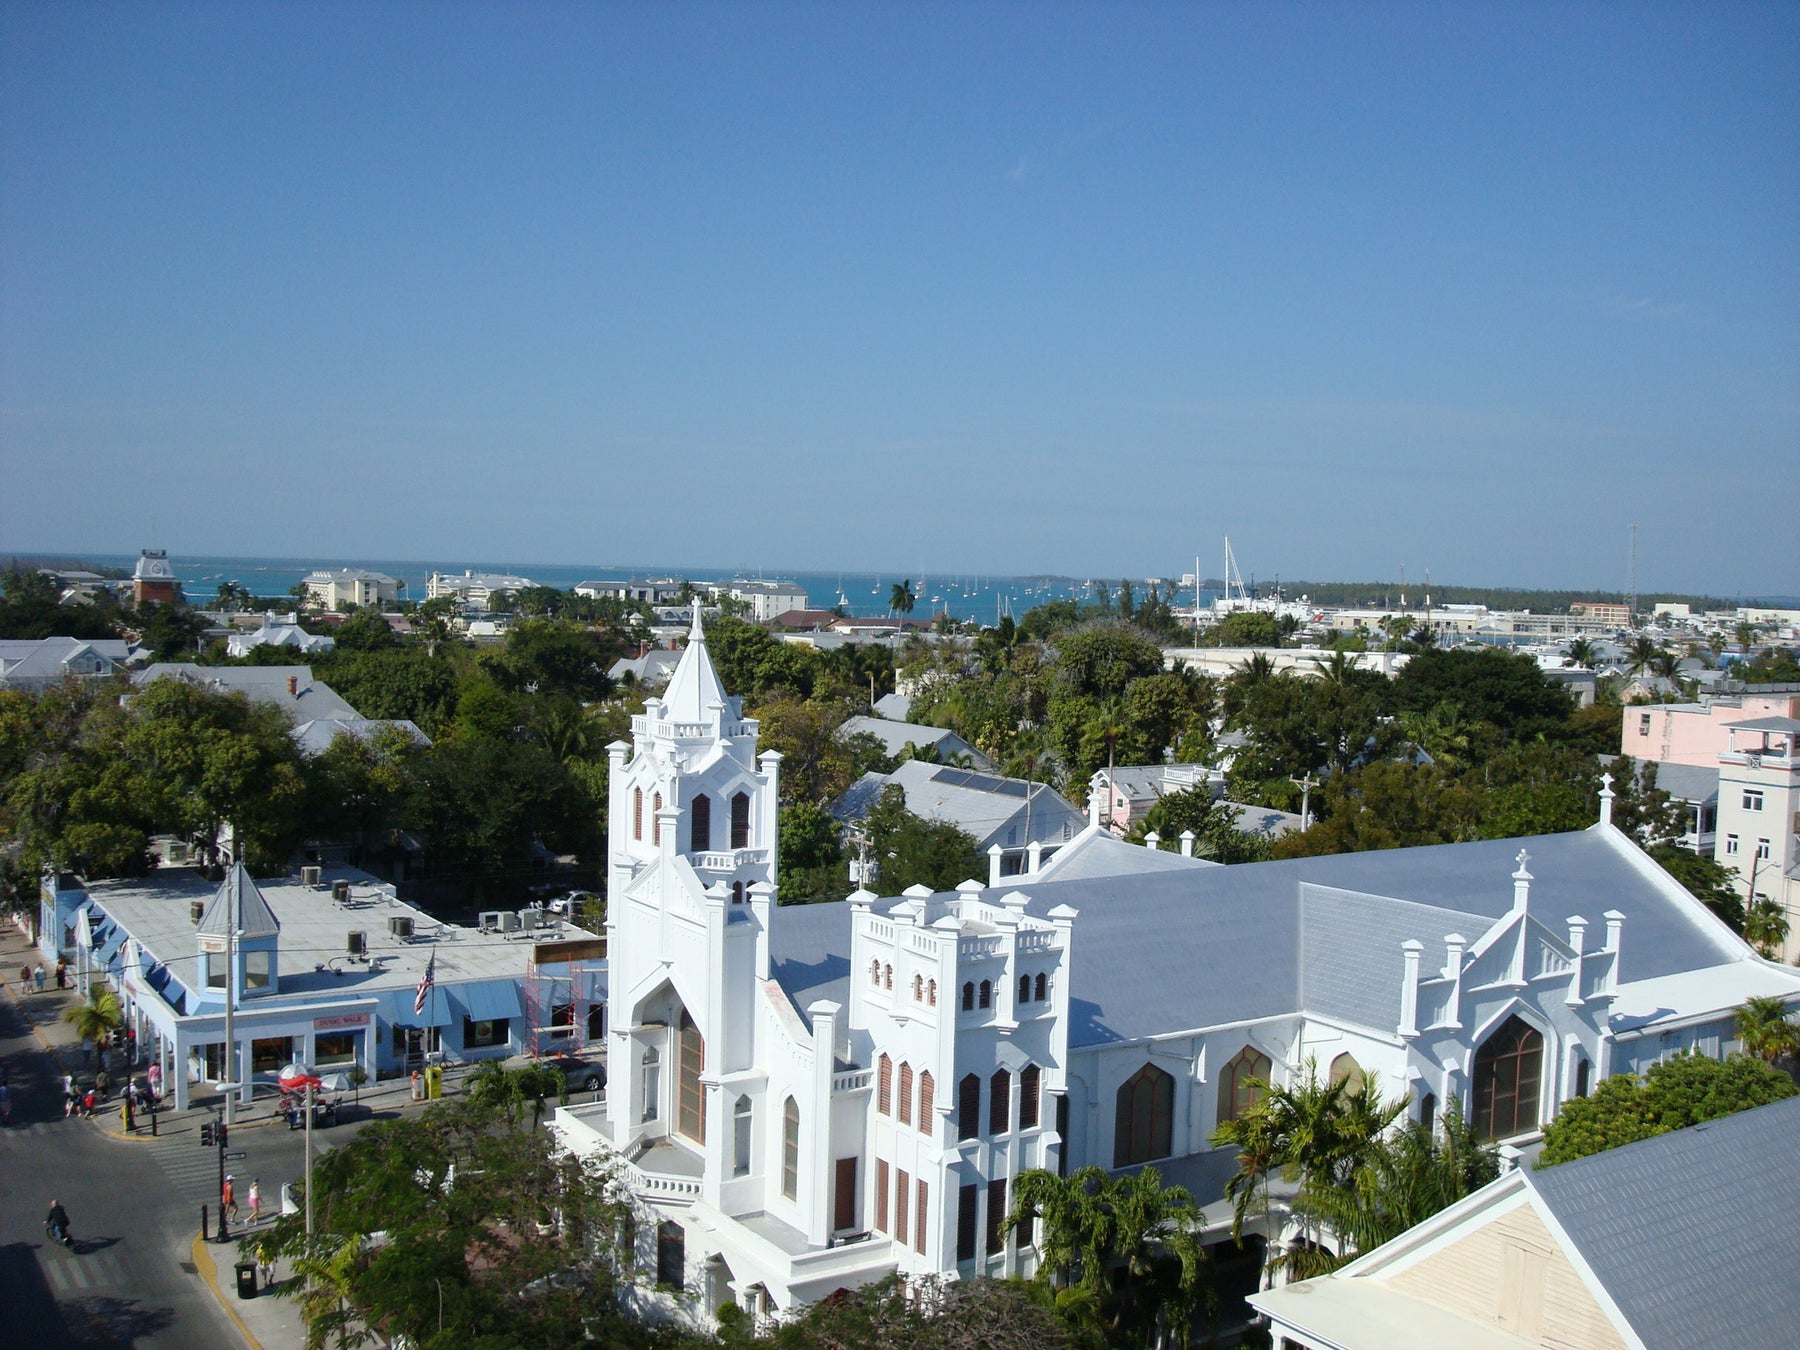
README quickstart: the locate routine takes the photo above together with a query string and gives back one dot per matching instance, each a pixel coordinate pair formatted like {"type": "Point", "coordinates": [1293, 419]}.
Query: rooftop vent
{"type": "Point", "coordinates": [358, 943]}
{"type": "Point", "coordinates": [196, 908]}
{"type": "Point", "coordinates": [400, 925]}
{"type": "Point", "coordinates": [340, 891]}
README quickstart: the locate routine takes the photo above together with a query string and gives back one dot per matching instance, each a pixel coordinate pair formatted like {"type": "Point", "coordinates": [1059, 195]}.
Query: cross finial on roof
{"type": "Point", "coordinates": [1523, 858]}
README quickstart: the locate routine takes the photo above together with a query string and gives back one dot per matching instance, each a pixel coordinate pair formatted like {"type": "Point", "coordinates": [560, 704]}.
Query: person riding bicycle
{"type": "Point", "coordinates": [56, 1223]}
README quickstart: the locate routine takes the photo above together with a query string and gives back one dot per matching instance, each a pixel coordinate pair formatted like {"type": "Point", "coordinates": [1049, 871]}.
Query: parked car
{"type": "Point", "coordinates": [569, 905]}
{"type": "Point", "coordinates": [581, 1075]}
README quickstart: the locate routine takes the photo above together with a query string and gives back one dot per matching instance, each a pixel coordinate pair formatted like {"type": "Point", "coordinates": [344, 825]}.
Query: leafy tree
{"type": "Point", "coordinates": [365, 631]}
{"type": "Point", "coordinates": [29, 610]}
{"type": "Point", "coordinates": [1249, 630]}
{"type": "Point", "coordinates": [490, 1231]}
{"type": "Point", "coordinates": [914, 851]}
{"type": "Point", "coordinates": [1213, 822]}
{"type": "Point", "coordinates": [1100, 659]}
{"type": "Point", "coordinates": [1508, 692]}
{"type": "Point", "coordinates": [171, 632]}
{"type": "Point", "coordinates": [1677, 1092]}
{"type": "Point", "coordinates": [812, 864]}
{"type": "Point", "coordinates": [1765, 925]}
{"type": "Point", "coordinates": [403, 683]}
{"type": "Point", "coordinates": [552, 656]}
{"type": "Point", "coordinates": [1709, 880]}
{"type": "Point", "coordinates": [817, 763]}
{"type": "Point", "coordinates": [1386, 805]}
{"type": "Point", "coordinates": [901, 1314]}
{"type": "Point", "coordinates": [901, 599]}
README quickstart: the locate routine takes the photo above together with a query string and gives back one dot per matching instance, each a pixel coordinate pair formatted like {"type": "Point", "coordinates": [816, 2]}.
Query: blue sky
{"type": "Point", "coordinates": [998, 288]}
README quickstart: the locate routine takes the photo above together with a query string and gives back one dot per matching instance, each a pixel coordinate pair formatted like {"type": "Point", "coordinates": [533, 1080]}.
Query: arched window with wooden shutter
{"type": "Point", "coordinates": [1024, 988]}
{"type": "Point", "coordinates": [1507, 1079]}
{"type": "Point", "coordinates": [969, 996]}
{"type": "Point", "coordinates": [1028, 1097]}
{"type": "Point", "coordinates": [968, 1107]}
{"type": "Point", "coordinates": [656, 818]}
{"type": "Point", "coordinates": [918, 989]}
{"type": "Point", "coordinates": [1144, 1118]}
{"type": "Point", "coordinates": [1000, 1101]}
{"type": "Point", "coordinates": [984, 997]}
{"type": "Point", "coordinates": [931, 993]}
{"type": "Point", "coordinates": [1042, 985]}
{"type": "Point", "coordinates": [700, 824]}
{"type": "Point", "coordinates": [637, 813]}
{"type": "Point", "coordinates": [904, 1114]}
{"type": "Point", "coordinates": [740, 820]}
{"type": "Point", "coordinates": [690, 1104]}
{"type": "Point", "coordinates": [884, 1086]}
{"type": "Point", "coordinates": [927, 1093]}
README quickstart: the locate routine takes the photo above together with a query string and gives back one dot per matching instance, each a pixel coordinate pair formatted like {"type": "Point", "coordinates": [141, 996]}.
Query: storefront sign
{"type": "Point", "coordinates": [212, 944]}
{"type": "Point", "coordinates": [347, 1020]}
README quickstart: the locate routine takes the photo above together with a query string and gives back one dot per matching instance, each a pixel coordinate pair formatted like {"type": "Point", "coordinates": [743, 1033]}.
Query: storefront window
{"type": "Point", "coordinates": [268, 1054]}
{"type": "Point", "coordinates": [335, 1047]}
{"type": "Point", "coordinates": [477, 1035]}
{"type": "Point", "coordinates": [216, 1069]}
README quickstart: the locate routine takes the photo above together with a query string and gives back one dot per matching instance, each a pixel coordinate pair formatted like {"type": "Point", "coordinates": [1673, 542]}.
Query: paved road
{"type": "Point", "coordinates": [124, 1283]}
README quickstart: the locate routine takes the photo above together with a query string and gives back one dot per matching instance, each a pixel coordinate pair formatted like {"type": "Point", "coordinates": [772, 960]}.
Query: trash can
{"type": "Point", "coordinates": [418, 1086]}
{"type": "Point", "coordinates": [246, 1279]}
{"type": "Point", "coordinates": [434, 1082]}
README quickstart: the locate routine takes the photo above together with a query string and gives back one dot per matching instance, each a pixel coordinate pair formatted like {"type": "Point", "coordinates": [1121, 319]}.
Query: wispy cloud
{"type": "Point", "coordinates": [1019, 171]}
{"type": "Point", "coordinates": [1643, 307]}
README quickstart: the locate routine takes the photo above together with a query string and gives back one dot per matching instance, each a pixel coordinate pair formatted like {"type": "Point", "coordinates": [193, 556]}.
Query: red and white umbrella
{"type": "Point", "coordinates": [297, 1077]}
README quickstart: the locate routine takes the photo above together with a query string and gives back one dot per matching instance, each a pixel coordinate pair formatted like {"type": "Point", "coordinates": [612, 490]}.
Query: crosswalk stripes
{"type": "Point", "coordinates": [69, 1274]}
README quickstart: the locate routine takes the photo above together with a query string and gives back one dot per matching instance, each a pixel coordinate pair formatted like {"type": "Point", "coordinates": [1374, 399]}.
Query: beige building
{"type": "Point", "coordinates": [347, 586]}
{"type": "Point", "coordinates": [1673, 1241]}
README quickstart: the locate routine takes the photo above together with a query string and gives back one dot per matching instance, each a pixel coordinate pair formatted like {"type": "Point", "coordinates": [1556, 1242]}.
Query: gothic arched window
{"type": "Point", "coordinates": [1028, 1097]}
{"type": "Point", "coordinates": [1345, 1070]}
{"type": "Point", "coordinates": [690, 1108]}
{"type": "Point", "coordinates": [931, 993]}
{"type": "Point", "coordinates": [1428, 1110]}
{"type": "Point", "coordinates": [1042, 985]}
{"type": "Point", "coordinates": [904, 1114]}
{"type": "Point", "coordinates": [1144, 1118]}
{"type": "Point", "coordinates": [737, 892]}
{"type": "Point", "coordinates": [1000, 1101]}
{"type": "Point", "coordinates": [1236, 1095]}
{"type": "Point", "coordinates": [968, 996]}
{"type": "Point", "coordinates": [1505, 1081]}
{"type": "Point", "coordinates": [700, 824]}
{"type": "Point", "coordinates": [918, 989]}
{"type": "Point", "coordinates": [637, 813]}
{"type": "Point", "coordinates": [984, 997]}
{"type": "Point", "coordinates": [656, 818]}
{"type": "Point", "coordinates": [887, 977]}
{"type": "Point", "coordinates": [927, 1091]}
{"type": "Point", "coordinates": [968, 1107]}
{"type": "Point", "coordinates": [875, 973]}
{"type": "Point", "coordinates": [884, 1086]}
{"type": "Point", "coordinates": [1583, 1073]}
{"type": "Point", "coordinates": [790, 1149]}
{"type": "Point", "coordinates": [740, 820]}
{"type": "Point", "coordinates": [1024, 988]}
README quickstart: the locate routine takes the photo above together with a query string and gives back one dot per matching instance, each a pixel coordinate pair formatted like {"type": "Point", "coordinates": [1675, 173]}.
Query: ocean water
{"type": "Point", "coordinates": [965, 596]}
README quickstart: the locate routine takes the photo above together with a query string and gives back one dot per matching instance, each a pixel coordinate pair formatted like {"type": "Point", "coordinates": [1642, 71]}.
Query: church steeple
{"type": "Point", "coordinates": [695, 695]}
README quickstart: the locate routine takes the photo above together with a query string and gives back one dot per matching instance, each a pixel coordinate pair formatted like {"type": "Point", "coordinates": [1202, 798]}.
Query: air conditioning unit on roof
{"type": "Point", "coordinates": [400, 925]}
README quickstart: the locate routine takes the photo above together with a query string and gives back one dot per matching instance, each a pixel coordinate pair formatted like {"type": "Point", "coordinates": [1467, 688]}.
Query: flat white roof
{"type": "Point", "coordinates": [315, 929]}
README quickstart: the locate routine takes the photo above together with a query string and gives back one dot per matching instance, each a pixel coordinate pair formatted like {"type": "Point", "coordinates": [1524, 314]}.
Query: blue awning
{"type": "Point", "coordinates": [397, 1007]}
{"type": "Point", "coordinates": [490, 1002]}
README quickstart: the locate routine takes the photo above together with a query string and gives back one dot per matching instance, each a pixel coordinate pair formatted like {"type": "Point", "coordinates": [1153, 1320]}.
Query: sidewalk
{"type": "Point", "coordinates": [267, 1321]}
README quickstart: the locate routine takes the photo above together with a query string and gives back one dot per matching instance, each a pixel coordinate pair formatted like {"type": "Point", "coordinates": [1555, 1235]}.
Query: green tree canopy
{"type": "Point", "coordinates": [1677, 1092]}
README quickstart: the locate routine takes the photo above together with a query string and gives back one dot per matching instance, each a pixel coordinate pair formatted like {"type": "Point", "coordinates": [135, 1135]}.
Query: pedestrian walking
{"type": "Point", "coordinates": [254, 1196]}
{"type": "Point", "coordinates": [62, 975]}
{"type": "Point", "coordinates": [265, 1263]}
{"type": "Point", "coordinates": [37, 977]}
{"type": "Point", "coordinates": [87, 1104]}
{"type": "Point", "coordinates": [228, 1198]}
{"type": "Point", "coordinates": [68, 1087]}
{"type": "Point", "coordinates": [154, 1078]}
{"type": "Point", "coordinates": [101, 1083]}
{"type": "Point", "coordinates": [24, 979]}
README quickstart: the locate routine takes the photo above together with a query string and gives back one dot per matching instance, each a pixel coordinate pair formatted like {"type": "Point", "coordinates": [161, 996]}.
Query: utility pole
{"type": "Point", "coordinates": [1306, 785]}
{"type": "Point", "coordinates": [1631, 577]}
{"type": "Point", "coordinates": [309, 1125]}
{"type": "Point", "coordinates": [231, 1048]}
{"type": "Point", "coordinates": [213, 1135]}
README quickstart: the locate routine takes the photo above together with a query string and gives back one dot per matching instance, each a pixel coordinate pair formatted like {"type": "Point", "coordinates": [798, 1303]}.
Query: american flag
{"type": "Point", "coordinates": [425, 983]}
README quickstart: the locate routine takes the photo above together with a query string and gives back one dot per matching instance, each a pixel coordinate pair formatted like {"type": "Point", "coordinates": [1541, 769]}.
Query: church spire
{"type": "Point", "coordinates": [695, 693]}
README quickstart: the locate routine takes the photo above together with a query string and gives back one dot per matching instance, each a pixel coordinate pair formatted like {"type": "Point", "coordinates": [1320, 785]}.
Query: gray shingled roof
{"type": "Point", "coordinates": [1689, 1232]}
{"type": "Point", "coordinates": [1207, 945]}
{"type": "Point", "coordinates": [254, 917]}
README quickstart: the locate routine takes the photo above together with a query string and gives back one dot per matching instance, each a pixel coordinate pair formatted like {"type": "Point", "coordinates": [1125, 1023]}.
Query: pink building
{"type": "Point", "coordinates": [1695, 733]}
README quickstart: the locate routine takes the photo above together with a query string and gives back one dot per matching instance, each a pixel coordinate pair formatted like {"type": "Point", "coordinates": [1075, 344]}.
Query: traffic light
{"type": "Point", "coordinates": [207, 1137]}
{"type": "Point", "coordinates": [221, 1133]}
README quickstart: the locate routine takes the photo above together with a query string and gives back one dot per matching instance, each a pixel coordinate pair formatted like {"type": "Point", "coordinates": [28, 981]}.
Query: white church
{"type": "Point", "coordinates": [812, 1097]}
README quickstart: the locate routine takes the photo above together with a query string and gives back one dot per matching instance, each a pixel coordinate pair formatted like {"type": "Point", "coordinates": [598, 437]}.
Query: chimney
{"type": "Point", "coordinates": [293, 686]}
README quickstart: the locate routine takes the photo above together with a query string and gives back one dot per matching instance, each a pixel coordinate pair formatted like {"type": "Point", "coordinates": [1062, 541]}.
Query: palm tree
{"type": "Point", "coordinates": [97, 1019]}
{"type": "Point", "coordinates": [1642, 653]}
{"type": "Point", "coordinates": [1583, 653]}
{"type": "Point", "coordinates": [1765, 926]}
{"type": "Point", "coordinates": [901, 598]}
{"type": "Point", "coordinates": [511, 1090]}
{"type": "Point", "coordinates": [1766, 1028]}
{"type": "Point", "coordinates": [1746, 636]}
{"type": "Point", "coordinates": [1439, 732]}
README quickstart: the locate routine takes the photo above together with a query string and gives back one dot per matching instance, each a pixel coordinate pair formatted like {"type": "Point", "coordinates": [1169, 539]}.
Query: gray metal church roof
{"type": "Point", "coordinates": [1168, 951]}
{"type": "Point", "coordinates": [1688, 1231]}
